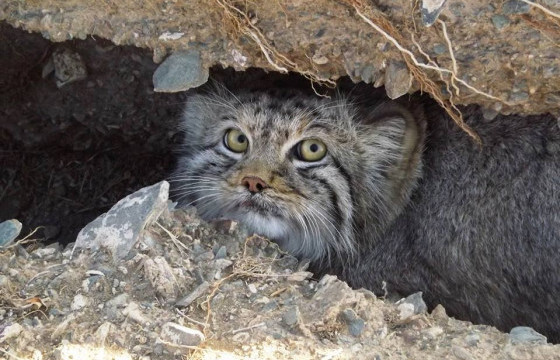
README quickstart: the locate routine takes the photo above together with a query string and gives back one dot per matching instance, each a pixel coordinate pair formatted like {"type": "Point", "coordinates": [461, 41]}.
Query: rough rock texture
{"type": "Point", "coordinates": [508, 49]}
{"type": "Point", "coordinates": [239, 298]}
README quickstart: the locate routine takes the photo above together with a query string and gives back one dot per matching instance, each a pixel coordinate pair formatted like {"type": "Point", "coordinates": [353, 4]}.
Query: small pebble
{"type": "Point", "coordinates": [176, 335]}
{"type": "Point", "coordinates": [292, 316]}
{"type": "Point", "coordinates": [355, 323]}
{"type": "Point", "coordinates": [79, 302]}
{"type": "Point", "coordinates": [440, 49]}
{"type": "Point", "coordinates": [500, 21]}
{"type": "Point", "coordinates": [472, 340]}
{"type": "Point", "coordinates": [181, 71]}
{"type": "Point", "coordinates": [524, 334]}
{"type": "Point", "coordinates": [431, 10]}
{"type": "Point", "coordinates": [397, 79]}
{"type": "Point", "coordinates": [515, 7]}
{"type": "Point", "coordinates": [10, 331]}
{"type": "Point", "coordinates": [221, 253]}
{"type": "Point", "coordinates": [9, 231]}
{"type": "Point", "coordinates": [412, 305]}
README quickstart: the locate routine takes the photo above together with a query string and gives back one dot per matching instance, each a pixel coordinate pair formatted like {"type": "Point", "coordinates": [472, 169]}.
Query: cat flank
{"type": "Point", "coordinates": [388, 198]}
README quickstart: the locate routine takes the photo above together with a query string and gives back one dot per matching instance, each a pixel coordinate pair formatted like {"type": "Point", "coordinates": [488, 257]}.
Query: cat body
{"type": "Point", "coordinates": [387, 200]}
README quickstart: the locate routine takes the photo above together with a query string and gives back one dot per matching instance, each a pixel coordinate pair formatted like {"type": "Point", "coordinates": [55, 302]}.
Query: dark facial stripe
{"type": "Point", "coordinates": [332, 194]}
{"type": "Point", "coordinates": [348, 179]}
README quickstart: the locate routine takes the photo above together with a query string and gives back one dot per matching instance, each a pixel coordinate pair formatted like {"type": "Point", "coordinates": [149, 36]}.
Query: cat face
{"type": "Point", "coordinates": [293, 168]}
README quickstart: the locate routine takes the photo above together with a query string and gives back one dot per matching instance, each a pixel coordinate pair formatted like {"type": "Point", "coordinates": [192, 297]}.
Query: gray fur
{"type": "Point", "coordinates": [476, 229]}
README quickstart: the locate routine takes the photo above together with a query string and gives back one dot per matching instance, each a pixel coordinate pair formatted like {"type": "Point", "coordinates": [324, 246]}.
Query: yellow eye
{"type": "Point", "coordinates": [236, 141]}
{"type": "Point", "coordinates": [311, 150]}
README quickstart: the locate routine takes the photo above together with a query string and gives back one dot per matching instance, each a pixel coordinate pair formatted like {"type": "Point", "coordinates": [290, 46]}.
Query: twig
{"type": "Point", "coordinates": [542, 8]}
{"type": "Point", "coordinates": [191, 319]}
{"type": "Point", "coordinates": [233, 332]}
{"type": "Point", "coordinates": [173, 238]}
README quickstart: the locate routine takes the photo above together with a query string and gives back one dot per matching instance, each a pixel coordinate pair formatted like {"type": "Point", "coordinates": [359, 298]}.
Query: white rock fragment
{"type": "Point", "coordinates": [167, 36]}
{"type": "Point", "coordinates": [238, 57]}
{"type": "Point", "coordinates": [175, 335]}
{"type": "Point", "coordinates": [10, 331]}
{"type": "Point", "coordinates": [103, 332]}
{"type": "Point", "coordinates": [79, 302]}
{"type": "Point", "coordinates": [252, 288]}
{"type": "Point", "coordinates": [412, 305]}
{"type": "Point", "coordinates": [134, 312]}
{"type": "Point", "coordinates": [406, 310]}
{"type": "Point", "coordinates": [431, 10]}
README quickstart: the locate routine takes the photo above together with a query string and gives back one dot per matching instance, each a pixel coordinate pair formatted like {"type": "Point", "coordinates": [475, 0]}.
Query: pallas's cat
{"type": "Point", "coordinates": [387, 198]}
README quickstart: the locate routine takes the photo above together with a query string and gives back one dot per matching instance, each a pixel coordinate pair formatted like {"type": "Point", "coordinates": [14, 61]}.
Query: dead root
{"type": "Point", "coordinates": [420, 70]}
{"type": "Point", "coordinates": [240, 21]}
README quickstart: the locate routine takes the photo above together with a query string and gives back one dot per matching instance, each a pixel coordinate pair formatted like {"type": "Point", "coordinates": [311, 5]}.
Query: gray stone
{"type": "Point", "coordinates": [397, 79]}
{"type": "Point", "coordinates": [118, 230]}
{"type": "Point", "coordinates": [500, 21]}
{"type": "Point", "coordinates": [489, 114]}
{"type": "Point", "coordinates": [9, 231]}
{"type": "Point", "coordinates": [118, 301]}
{"type": "Point", "coordinates": [440, 49]}
{"type": "Point", "coordinates": [45, 252]}
{"type": "Point", "coordinates": [472, 340]}
{"type": "Point", "coordinates": [515, 7]}
{"type": "Point", "coordinates": [368, 74]}
{"type": "Point", "coordinates": [221, 253]}
{"type": "Point", "coordinates": [412, 305]}
{"type": "Point", "coordinates": [431, 10]}
{"type": "Point", "coordinates": [524, 334]}
{"type": "Point", "coordinates": [181, 71]}
{"type": "Point", "coordinates": [176, 335]}
{"type": "Point", "coordinates": [520, 96]}
{"type": "Point", "coordinates": [292, 316]}
{"type": "Point", "coordinates": [355, 323]}
{"type": "Point", "coordinates": [68, 67]}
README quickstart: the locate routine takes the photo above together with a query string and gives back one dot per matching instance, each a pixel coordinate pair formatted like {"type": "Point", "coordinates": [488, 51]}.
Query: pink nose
{"type": "Point", "coordinates": [254, 184]}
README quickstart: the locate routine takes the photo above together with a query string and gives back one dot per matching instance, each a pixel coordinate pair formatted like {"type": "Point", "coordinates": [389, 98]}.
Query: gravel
{"type": "Point", "coordinates": [263, 305]}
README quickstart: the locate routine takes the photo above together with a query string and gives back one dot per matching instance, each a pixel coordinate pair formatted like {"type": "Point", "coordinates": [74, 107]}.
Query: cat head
{"type": "Point", "coordinates": [310, 173]}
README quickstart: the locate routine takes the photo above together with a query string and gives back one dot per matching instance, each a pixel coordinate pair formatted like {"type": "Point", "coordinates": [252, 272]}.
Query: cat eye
{"type": "Point", "coordinates": [311, 150]}
{"type": "Point", "coordinates": [236, 141]}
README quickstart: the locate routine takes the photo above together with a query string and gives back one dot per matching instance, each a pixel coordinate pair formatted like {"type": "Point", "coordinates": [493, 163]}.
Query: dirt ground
{"type": "Point", "coordinates": [185, 289]}
{"type": "Point", "coordinates": [68, 154]}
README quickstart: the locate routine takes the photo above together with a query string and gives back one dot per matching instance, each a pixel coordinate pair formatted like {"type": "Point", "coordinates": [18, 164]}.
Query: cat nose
{"type": "Point", "coordinates": [254, 184]}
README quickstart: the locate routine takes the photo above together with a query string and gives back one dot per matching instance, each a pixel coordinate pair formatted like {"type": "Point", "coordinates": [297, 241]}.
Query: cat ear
{"type": "Point", "coordinates": [395, 140]}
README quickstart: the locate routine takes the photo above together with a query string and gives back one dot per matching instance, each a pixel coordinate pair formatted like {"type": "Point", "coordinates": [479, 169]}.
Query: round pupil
{"type": "Point", "coordinates": [241, 139]}
{"type": "Point", "coordinates": [314, 147]}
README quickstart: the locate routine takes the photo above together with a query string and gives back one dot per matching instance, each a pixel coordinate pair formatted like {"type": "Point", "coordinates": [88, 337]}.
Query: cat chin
{"type": "Point", "coordinates": [270, 227]}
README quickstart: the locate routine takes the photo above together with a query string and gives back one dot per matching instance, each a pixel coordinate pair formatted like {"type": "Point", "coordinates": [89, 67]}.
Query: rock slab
{"type": "Point", "coordinates": [118, 230]}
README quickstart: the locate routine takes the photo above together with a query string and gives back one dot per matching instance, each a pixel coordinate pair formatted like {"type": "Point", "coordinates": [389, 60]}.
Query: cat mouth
{"type": "Point", "coordinates": [258, 204]}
